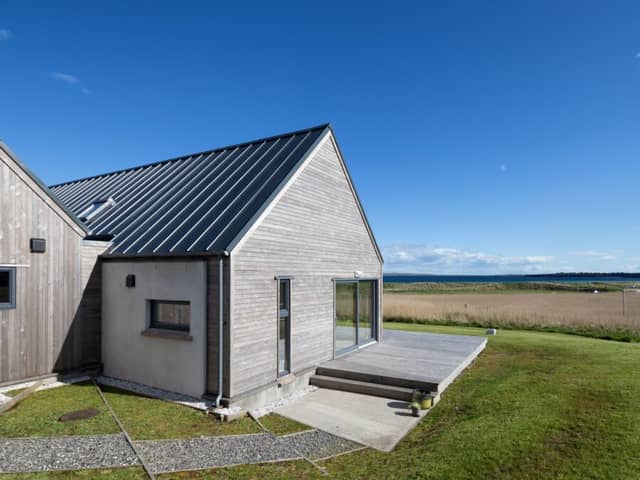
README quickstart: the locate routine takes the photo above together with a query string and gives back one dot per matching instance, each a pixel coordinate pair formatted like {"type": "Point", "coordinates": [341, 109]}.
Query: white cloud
{"type": "Point", "coordinates": [503, 167]}
{"type": "Point", "coordinates": [5, 34]}
{"type": "Point", "coordinates": [407, 258]}
{"type": "Point", "coordinates": [594, 254]}
{"type": "Point", "coordinates": [69, 79]}
{"type": "Point", "coordinates": [65, 77]}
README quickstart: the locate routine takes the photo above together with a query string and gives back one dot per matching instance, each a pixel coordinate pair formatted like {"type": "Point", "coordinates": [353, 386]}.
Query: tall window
{"type": "Point", "coordinates": [170, 315]}
{"type": "Point", "coordinates": [7, 287]}
{"type": "Point", "coordinates": [284, 326]}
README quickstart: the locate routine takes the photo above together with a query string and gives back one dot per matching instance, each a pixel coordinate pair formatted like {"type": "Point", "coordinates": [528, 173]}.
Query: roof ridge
{"type": "Point", "coordinates": [204, 152]}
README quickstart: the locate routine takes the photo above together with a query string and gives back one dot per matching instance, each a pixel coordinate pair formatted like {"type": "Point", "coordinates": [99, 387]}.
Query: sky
{"type": "Point", "coordinates": [483, 138]}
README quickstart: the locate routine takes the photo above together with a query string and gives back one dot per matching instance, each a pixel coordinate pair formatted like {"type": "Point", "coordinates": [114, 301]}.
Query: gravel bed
{"type": "Point", "coordinates": [153, 392]}
{"type": "Point", "coordinates": [65, 453]}
{"type": "Point", "coordinates": [210, 452]}
{"type": "Point", "coordinates": [316, 444]}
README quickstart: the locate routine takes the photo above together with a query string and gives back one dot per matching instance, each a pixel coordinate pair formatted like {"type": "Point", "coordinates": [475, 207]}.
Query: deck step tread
{"type": "Point", "coordinates": [376, 378]}
{"type": "Point", "coordinates": [357, 386]}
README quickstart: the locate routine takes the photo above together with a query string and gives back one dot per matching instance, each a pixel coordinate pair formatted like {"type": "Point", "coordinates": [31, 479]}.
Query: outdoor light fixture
{"type": "Point", "coordinates": [130, 282]}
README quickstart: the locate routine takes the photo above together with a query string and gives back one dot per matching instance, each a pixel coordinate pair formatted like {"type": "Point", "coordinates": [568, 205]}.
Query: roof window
{"type": "Point", "coordinates": [96, 208]}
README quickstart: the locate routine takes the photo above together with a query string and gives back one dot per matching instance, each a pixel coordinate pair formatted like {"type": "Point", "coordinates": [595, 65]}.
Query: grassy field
{"type": "Point", "coordinates": [549, 307]}
{"type": "Point", "coordinates": [533, 406]}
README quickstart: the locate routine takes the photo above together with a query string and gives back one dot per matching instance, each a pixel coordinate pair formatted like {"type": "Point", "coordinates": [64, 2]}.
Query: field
{"type": "Point", "coordinates": [550, 306]}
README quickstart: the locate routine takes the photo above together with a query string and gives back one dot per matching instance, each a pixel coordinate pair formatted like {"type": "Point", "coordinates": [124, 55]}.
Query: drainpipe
{"type": "Point", "coordinates": [220, 326]}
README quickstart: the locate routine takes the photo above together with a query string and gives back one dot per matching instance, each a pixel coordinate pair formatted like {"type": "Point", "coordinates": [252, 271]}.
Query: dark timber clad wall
{"type": "Point", "coordinates": [53, 327]}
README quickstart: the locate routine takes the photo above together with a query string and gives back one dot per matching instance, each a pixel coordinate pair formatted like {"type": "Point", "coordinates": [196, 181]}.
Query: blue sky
{"type": "Point", "coordinates": [482, 137]}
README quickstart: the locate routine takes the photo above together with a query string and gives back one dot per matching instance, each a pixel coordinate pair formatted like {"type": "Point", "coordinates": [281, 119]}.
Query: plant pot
{"type": "Point", "coordinates": [426, 402]}
{"type": "Point", "coordinates": [415, 409]}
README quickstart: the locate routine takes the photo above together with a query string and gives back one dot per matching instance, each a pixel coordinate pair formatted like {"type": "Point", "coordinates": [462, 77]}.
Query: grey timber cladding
{"type": "Point", "coordinates": [193, 204]}
{"type": "Point", "coordinates": [315, 233]}
{"type": "Point", "coordinates": [55, 325]}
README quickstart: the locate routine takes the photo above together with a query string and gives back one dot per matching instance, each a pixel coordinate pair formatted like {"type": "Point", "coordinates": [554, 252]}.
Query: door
{"type": "Point", "coordinates": [346, 311]}
{"type": "Point", "coordinates": [284, 326]}
{"type": "Point", "coordinates": [355, 315]}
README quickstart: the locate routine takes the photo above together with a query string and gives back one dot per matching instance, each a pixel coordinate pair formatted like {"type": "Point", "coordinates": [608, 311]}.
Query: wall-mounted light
{"type": "Point", "coordinates": [357, 274]}
{"type": "Point", "coordinates": [130, 281]}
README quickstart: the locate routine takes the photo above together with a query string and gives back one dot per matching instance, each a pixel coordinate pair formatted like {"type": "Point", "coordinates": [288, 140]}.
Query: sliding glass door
{"type": "Point", "coordinates": [355, 315]}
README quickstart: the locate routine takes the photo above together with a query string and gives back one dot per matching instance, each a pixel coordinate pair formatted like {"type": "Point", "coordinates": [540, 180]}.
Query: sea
{"type": "Point", "coordinates": [556, 277]}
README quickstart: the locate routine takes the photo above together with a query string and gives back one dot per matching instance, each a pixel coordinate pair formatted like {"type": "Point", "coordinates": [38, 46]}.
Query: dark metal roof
{"type": "Point", "coordinates": [192, 204]}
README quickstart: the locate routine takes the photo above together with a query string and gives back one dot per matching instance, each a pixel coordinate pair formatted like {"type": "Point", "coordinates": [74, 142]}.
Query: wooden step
{"type": "Point", "coordinates": [365, 388]}
{"type": "Point", "coordinates": [425, 386]}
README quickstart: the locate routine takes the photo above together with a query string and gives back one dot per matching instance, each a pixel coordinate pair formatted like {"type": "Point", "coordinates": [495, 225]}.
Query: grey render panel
{"type": "Point", "coordinates": [193, 204]}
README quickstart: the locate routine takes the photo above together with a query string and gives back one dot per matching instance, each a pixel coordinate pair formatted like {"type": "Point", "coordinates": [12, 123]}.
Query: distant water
{"type": "Point", "coordinates": [558, 278]}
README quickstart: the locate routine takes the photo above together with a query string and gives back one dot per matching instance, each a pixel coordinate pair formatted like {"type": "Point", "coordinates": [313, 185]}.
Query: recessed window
{"type": "Point", "coordinates": [170, 315]}
{"type": "Point", "coordinates": [7, 287]}
{"type": "Point", "coordinates": [96, 208]}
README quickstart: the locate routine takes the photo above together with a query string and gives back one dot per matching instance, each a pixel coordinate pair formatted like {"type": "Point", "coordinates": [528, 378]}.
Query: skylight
{"type": "Point", "coordinates": [95, 209]}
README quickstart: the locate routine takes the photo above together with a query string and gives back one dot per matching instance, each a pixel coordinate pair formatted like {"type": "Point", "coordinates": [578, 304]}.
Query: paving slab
{"type": "Point", "coordinates": [376, 422]}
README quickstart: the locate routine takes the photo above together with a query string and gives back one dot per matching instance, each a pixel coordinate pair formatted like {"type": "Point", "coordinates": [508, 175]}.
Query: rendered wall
{"type": "Point", "coordinates": [168, 363]}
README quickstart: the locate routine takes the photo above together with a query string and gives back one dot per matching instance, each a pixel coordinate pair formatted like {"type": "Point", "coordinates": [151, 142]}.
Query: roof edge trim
{"type": "Point", "coordinates": [52, 196]}
{"type": "Point", "coordinates": [268, 204]}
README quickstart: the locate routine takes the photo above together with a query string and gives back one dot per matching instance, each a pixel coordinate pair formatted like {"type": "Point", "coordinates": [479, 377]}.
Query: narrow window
{"type": "Point", "coordinates": [95, 209]}
{"type": "Point", "coordinates": [170, 315]}
{"type": "Point", "coordinates": [284, 326]}
{"type": "Point", "coordinates": [7, 287]}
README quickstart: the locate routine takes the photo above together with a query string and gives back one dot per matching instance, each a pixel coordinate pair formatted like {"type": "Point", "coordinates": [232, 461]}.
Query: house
{"type": "Point", "coordinates": [230, 273]}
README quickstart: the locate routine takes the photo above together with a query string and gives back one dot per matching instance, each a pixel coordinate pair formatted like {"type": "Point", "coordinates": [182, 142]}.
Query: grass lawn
{"type": "Point", "coordinates": [38, 414]}
{"type": "Point", "coordinates": [279, 425]}
{"type": "Point", "coordinates": [534, 405]}
{"type": "Point", "coordinates": [133, 473]}
{"type": "Point", "coordinates": [150, 419]}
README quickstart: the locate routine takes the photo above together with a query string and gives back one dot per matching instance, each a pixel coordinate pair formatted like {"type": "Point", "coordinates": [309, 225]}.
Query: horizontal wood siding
{"type": "Point", "coordinates": [314, 233]}
{"type": "Point", "coordinates": [46, 330]}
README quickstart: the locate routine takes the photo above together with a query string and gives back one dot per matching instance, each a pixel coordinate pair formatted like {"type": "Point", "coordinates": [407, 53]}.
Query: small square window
{"type": "Point", "coordinates": [170, 315]}
{"type": "Point", "coordinates": [7, 287]}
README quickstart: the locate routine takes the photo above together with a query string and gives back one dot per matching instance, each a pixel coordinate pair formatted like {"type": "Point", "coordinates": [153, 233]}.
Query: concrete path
{"type": "Point", "coordinates": [377, 422]}
{"type": "Point", "coordinates": [164, 456]}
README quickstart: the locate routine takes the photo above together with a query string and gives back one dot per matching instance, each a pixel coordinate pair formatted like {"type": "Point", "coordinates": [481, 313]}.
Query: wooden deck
{"type": "Point", "coordinates": [426, 361]}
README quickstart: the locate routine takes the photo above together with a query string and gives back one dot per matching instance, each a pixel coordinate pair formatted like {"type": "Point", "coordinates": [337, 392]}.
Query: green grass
{"type": "Point", "coordinates": [533, 406]}
{"type": "Point", "coordinates": [150, 419]}
{"type": "Point", "coordinates": [299, 469]}
{"type": "Point", "coordinates": [133, 473]}
{"type": "Point", "coordinates": [38, 414]}
{"type": "Point", "coordinates": [618, 334]}
{"type": "Point", "coordinates": [279, 425]}
{"type": "Point", "coordinates": [438, 288]}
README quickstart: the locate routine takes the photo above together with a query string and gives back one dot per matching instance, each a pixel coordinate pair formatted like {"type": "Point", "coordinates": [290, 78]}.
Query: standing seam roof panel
{"type": "Point", "coordinates": [192, 204]}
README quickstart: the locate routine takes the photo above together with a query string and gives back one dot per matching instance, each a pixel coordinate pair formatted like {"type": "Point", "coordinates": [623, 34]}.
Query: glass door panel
{"type": "Point", "coordinates": [346, 311]}
{"type": "Point", "coordinates": [366, 310]}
